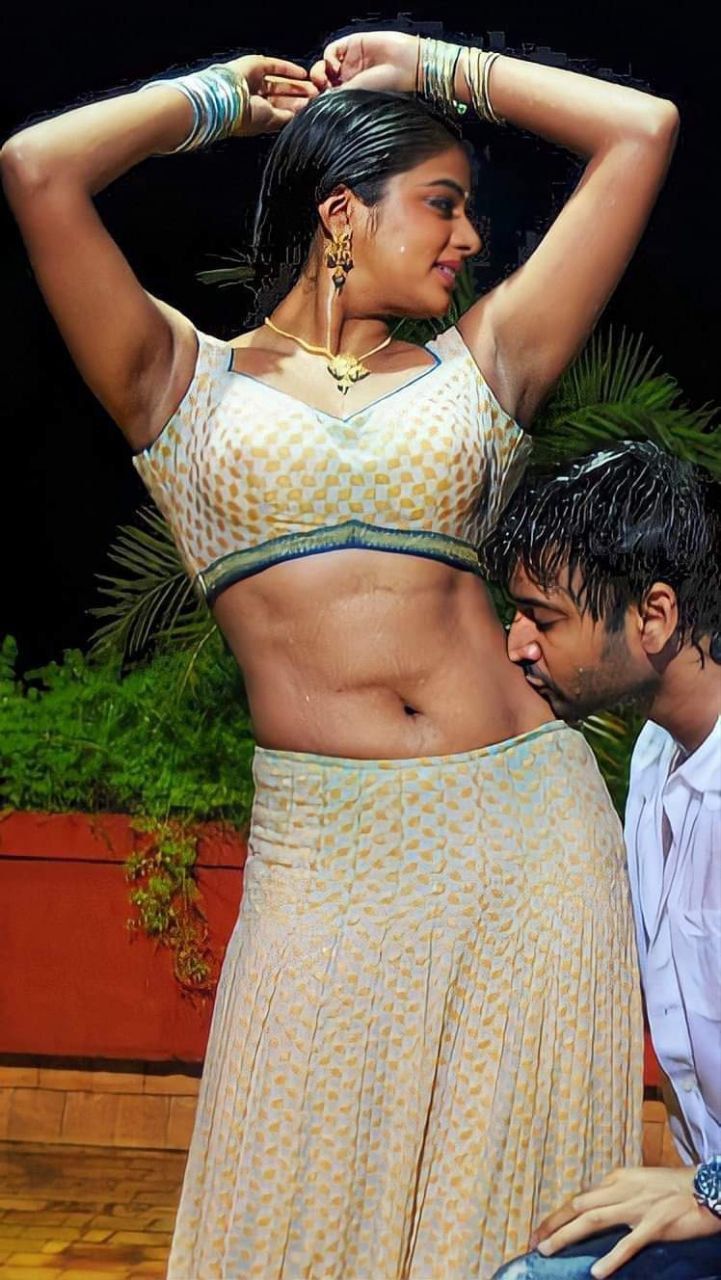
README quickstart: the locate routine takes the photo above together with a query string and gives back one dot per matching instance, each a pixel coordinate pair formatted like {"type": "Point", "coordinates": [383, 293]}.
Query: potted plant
{"type": "Point", "coordinates": [123, 793]}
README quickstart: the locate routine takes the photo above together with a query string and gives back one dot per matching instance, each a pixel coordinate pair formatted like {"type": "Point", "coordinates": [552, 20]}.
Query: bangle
{"type": "Point", "coordinates": [436, 73]}
{"type": "Point", "coordinates": [221, 105]}
{"type": "Point", "coordinates": [477, 72]}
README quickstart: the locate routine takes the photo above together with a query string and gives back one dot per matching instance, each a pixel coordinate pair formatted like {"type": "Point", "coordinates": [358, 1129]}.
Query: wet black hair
{"type": "Point", "coordinates": [623, 518]}
{"type": "Point", "coordinates": [356, 138]}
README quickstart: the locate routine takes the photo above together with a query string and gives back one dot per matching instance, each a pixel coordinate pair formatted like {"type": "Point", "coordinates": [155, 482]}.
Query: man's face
{"type": "Point", "coordinates": [576, 664]}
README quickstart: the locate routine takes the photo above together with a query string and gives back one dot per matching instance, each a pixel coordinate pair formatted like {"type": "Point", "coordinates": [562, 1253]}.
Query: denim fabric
{"type": "Point", "coordinates": [686, 1260]}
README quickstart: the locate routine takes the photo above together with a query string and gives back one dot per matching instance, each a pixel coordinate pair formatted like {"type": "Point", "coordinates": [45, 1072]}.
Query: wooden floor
{"type": "Point", "coordinates": [86, 1213]}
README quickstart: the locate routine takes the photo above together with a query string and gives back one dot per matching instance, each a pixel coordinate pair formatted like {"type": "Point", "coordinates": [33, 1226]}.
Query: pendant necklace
{"type": "Point", "coordinates": [344, 368]}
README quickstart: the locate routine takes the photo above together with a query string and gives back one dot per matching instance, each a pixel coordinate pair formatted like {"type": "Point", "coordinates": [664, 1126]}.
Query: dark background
{"type": "Point", "coordinates": [67, 477]}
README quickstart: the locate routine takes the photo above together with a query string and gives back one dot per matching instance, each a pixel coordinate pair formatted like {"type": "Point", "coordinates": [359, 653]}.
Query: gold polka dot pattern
{"type": "Point", "coordinates": [428, 1030]}
{"type": "Point", "coordinates": [248, 476]}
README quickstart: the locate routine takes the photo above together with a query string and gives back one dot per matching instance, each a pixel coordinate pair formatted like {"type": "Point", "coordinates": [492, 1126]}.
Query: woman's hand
{"type": "Point", "coordinates": [657, 1204]}
{"type": "Point", "coordinates": [279, 90]}
{"type": "Point", "coordinates": [373, 60]}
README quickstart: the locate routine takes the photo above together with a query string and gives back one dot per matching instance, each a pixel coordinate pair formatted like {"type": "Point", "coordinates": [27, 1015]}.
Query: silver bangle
{"type": "Point", "coordinates": [490, 113]}
{"type": "Point", "coordinates": [437, 63]}
{"type": "Point", "coordinates": [220, 100]}
{"type": "Point", "coordinates": [477, 73]}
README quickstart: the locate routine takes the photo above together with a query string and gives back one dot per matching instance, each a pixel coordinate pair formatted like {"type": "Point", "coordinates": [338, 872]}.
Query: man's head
{"type": "Point", "coordinates": [613, 563]}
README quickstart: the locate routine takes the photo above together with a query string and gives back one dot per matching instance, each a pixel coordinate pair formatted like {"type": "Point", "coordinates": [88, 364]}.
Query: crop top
{"type": "Point", "coordinates": [248, 476]}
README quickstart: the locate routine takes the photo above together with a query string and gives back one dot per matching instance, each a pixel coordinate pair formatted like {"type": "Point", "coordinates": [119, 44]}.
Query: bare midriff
{"type": "Point", "coordinates": [373, 655]}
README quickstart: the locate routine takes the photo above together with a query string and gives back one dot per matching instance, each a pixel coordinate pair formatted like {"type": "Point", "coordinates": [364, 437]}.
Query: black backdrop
{"type": "Point", "coordinates": [67, 477]}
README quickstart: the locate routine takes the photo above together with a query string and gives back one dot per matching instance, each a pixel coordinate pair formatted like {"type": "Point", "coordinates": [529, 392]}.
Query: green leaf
{"type": "Point", "coordinates": [613, 392]}
{"type": "Point", "coordinates": [153, 599]}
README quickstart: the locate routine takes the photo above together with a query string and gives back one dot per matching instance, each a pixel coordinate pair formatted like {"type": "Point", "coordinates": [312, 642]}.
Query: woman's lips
{"type": "Point", "coordinates": [447, 273]}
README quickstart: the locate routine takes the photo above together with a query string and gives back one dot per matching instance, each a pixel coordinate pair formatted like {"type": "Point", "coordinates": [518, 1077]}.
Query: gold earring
{"type": "Point", "coordinates": [339, 256]}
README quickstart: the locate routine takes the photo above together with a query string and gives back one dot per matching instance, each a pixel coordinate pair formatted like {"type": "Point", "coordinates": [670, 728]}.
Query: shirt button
{"type": "Point", "coordinates": [687, 1081]}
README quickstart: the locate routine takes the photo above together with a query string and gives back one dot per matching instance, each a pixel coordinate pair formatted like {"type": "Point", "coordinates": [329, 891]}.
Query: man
{"type": "Point", "coordinates": [614, 566]}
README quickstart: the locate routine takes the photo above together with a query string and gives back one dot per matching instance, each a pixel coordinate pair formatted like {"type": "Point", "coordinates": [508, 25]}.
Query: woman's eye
{"type": "Point", "coordinates": [543, 626]}
{"type": "Point", "coordinates": [445, 207]}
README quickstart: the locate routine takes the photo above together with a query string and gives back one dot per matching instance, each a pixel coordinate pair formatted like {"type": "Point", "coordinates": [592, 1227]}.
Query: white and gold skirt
{"type": "Point", "coordinates": [427, 1033]}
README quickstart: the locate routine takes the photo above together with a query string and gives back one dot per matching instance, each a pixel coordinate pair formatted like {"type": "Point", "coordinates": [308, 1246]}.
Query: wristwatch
{"type": "Point", "coordinates": [707, 1185]}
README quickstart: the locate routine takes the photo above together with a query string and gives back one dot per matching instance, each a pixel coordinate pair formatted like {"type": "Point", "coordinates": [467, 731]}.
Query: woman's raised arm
{"type": "Point", "coordinates": [135, 353]}
{"type": "Point", "coordinates": [526, 331]}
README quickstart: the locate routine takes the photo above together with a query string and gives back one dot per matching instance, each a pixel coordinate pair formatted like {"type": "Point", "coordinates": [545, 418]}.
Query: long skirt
{"type": "Point", "coordinates": [427, 1033]}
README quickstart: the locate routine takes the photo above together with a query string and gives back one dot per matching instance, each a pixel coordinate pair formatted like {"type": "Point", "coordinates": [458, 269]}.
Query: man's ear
{"type": "Point", "coordinates": [658, 618]}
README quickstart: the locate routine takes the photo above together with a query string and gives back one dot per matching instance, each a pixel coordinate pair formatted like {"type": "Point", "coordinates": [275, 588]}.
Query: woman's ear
{"type": "Point", "coordinates": [658, 617]}
{"type": "Point", "coordinates": [334, 212]}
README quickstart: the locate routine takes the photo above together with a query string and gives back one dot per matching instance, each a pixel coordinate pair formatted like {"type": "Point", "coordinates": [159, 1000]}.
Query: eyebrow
{"type": "Point", "coordinates": [532, 602]}
{"type": "Point", "coordinates": [448, 182]}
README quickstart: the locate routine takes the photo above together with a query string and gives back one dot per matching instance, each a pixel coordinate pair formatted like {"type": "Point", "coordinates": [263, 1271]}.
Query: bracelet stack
{"type": "Point", "coordinates": [477, 72]}
{"type": "Point", "coordinates": [436, 73]}
{"type": "Point", "coordinates": [436, 76]}
{"type": "Point", "coordinates": [221, 104]}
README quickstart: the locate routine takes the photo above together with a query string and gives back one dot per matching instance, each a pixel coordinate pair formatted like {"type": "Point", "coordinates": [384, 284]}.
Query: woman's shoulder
{"type": "Point", "coordinates": [451, 346]}
{"type": "Point", "coordinates": [208, 357]}
{"type": "Point", "coordinates": [448, 343]}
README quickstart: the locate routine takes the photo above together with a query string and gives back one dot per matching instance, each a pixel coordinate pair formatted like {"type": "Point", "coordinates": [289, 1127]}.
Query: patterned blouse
{"type": "Point", "coordinates": [249, 476]}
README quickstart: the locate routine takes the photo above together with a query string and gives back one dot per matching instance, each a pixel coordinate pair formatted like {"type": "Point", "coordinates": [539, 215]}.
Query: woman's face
{"type": "Point", "coordinates": [408, 250]}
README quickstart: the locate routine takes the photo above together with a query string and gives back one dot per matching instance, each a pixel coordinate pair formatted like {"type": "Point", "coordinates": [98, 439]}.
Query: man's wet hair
{"type": "Point", "coordinates": [605, 527]}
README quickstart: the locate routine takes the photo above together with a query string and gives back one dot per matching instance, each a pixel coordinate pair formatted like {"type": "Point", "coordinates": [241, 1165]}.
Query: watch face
{"type": "Point", "coordinates": [707, 1184]}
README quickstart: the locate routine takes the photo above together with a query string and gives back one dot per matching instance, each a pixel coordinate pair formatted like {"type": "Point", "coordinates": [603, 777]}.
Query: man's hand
{"type": "Point", "coordinates": [657, 1204]}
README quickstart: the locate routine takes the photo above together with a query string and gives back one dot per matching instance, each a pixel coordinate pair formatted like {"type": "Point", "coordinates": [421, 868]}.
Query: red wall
{"type": "Point", "coordinates": [73, 980]}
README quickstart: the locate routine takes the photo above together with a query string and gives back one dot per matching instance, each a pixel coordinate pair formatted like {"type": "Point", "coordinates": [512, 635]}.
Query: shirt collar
{"type": "Point", "coordinates": [654, 754]}
{"type": "Point", "coordinates": [702, 769]}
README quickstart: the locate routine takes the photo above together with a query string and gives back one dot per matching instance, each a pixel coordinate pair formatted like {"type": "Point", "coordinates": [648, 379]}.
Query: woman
{"type": "Point", "coordinates": [426, 1032]}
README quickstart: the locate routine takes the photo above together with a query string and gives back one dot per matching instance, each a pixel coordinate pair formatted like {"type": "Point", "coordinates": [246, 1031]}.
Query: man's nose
{"type": "Point", "coordinates": [522, 645]}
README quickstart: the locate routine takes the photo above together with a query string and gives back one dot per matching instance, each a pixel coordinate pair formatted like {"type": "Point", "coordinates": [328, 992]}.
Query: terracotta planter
{"type": "Point", "coordinates": [76, 982]}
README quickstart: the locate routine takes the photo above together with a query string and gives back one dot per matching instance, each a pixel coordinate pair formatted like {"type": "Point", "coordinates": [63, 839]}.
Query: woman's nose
{"type": "Point", "coordinates": [469, 239]}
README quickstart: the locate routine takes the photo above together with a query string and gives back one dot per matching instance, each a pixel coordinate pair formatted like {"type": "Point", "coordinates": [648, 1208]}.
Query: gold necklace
{"type": "Point", "coordinates": [344, 367]}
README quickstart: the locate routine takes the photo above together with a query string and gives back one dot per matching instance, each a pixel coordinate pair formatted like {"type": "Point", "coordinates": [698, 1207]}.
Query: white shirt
{"type": "Point", "coordinates": [673, 836]}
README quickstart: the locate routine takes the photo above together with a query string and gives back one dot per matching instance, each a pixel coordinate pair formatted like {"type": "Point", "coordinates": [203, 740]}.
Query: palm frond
{"type": "Point", "coordinates": [612, 736]}
{"type": "Point", "coordinates": [609, 368]}
{"type": "Point", "coordinates": [195, 650]}
{"type": "Point", "coordinates": [613, 391]}
{"type": "Point", "coordinates": [224, 276]}
{"type": "Point", "coordinates": [238, 269]}
{"type": "Point", "coordinates": [152, 599]}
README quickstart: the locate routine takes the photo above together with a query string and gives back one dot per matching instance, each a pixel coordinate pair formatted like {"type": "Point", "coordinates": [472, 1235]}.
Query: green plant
{"type": "Point", "coordinates": [153, 598]}
{"type": "Point", "coordinates": [158, 740]}
{"type": "Point", "coordinates": [614, 391]}
{"type": "Point", "coordinates": [169, 744]}
{"type": "Point", "coordinates": [166, 897]}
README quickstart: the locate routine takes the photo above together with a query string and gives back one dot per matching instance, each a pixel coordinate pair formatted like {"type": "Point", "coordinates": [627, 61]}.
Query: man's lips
{"type": "Point", "coordinates": [538, 684]}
